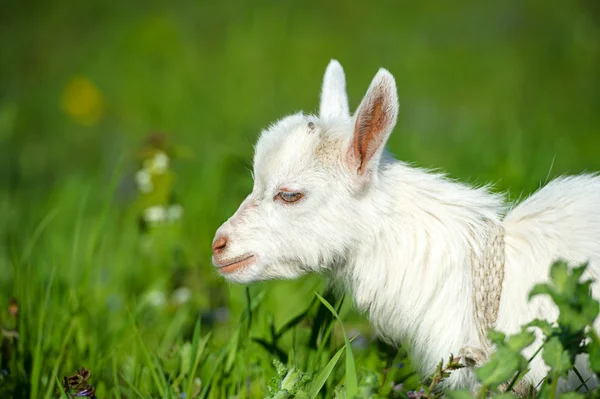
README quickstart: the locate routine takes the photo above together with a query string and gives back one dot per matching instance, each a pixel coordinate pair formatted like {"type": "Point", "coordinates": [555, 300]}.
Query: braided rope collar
{"type": "Point", "coordinates": [488, 276]}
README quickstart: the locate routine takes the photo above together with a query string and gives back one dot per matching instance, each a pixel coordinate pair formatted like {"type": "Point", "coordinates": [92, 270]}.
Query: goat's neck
{"type": "Point", "coordinates": [412, 271]}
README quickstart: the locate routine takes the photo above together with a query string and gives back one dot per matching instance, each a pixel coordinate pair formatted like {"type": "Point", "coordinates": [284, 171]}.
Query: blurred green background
{"type": "Point", "coordinates": [506, 92]}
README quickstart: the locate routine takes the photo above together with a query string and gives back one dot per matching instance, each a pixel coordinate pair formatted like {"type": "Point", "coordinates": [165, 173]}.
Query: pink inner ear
{"type": "Point", "coordinates": [369, 131]}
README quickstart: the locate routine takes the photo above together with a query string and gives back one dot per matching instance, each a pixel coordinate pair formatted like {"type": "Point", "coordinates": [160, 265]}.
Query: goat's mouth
{"type": "Point", "coordinates": [235, 264]}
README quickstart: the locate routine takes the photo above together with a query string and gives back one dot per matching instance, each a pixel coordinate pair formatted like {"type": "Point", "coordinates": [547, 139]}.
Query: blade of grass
{"type": "Point", "coordinates": [161, 383]}
{"type": "Point", "coordinates": [115, 370]}
{"type": "Point", "coordinates": [249, 307]}
{"type": "Point", "coordinates": [198, 347]}
{"type": "Point", "coordinates": [233, 347]}
{"type": "Point", "coordinates": [37, 234]}
{"type": "Point", "coordinates": [37, 359]}
{"type": "Point", "coordinates": [295, 321]}
{"type": "Point", "coordinates": [214, 367]}
{"type": "Point", "coordinates": [351, 379]}
{"type": "Point", "coordinates": [322, 318]}
{"type": "Point", "coordinates": [77, 233]}
{"type": "Point", "coordinates": [173, 330]}
{"type": "Point", "coordinates": [61, 390]}
{"type": "Point", "coordinates": [519, 376]}
{"type": "Point", "coordinates": [272, 349]}
{"type": "Point", "coordinates": [322, 377]}
{"type": "Point", "coordinates": [100, 225]}
{"type": "Point", "coordinates": [326, 333]}
{"type": "Point", "coordinates": [583, 383]}
{"type": "Point", "coordinates": [324, 374]}
{"type": "Point", "coordinates": [58, 361]}
{"type": "Point", "coordinates": [135, 389]}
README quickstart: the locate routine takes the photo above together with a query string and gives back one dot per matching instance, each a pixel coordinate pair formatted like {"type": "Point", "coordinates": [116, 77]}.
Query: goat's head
{"type": "Point", "coordinates": [311, 178]}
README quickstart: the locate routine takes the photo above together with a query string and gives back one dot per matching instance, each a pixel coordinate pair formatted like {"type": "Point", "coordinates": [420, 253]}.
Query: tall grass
{"type": "Point", "coordinates": [506, 92]}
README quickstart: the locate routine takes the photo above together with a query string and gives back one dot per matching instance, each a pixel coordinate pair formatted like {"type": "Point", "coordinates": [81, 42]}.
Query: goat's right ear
{"type": "Point", "coordinates": [334, 101]}
{"type": "Point", "coordinates": [374, 121]}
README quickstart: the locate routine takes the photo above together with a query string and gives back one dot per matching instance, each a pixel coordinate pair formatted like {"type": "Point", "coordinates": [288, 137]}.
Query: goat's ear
{"type": "Point", "coordinates": [374, 121]}
{"type": "Point", "coordinates": [334, 101]}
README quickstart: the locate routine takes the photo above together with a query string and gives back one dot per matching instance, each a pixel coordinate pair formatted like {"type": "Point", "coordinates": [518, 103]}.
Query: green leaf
{"type": "Point", "coordinates": [578, 271]}
{"type": "Point", "coordinates": [501, 367]}
{"type": "Point", "coordinates": [556, 357]}
{"type": "Point", "coordinates": [571, 395]}
{"type": "Point", "coordinates": [540, 289]}
{"type": "Point", "coordinates": [506, 361]}
{"type": "Point", "coordinates": [496, 337]}
{"type": "Point", "coordinates": [577, 308]}
{"type": "Point", "coordinates": [559, 273]}
{"type": "Point", "coordinates": [594, 356]}
{"type": "Point", "coordinates": [459, 394]}
{"type": "Point", "coordinates": [506, 395]}
{"type": "Point", "coordinates": [590, 310]}
{"type": "Point", "coordinates": [293, 380]}
{"type": "Point", "coordinates": [545, 326]}
{"type": "Point", "coordinates": [518, 342]}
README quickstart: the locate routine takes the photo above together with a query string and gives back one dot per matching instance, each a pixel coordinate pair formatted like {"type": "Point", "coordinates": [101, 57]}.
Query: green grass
{"type": "Point", "coordinates": [506, 92]}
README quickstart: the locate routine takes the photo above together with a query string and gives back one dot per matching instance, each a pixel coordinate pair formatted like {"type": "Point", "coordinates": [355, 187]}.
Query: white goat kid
{"type": "Point", "coordinates": [402, 240]}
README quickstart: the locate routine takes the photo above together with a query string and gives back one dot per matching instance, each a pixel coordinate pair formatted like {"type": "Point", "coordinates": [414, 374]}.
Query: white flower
{"type": "Point", "coordinates": [155, 214]}
{"type": "Point", "coordinates": [144, 181]}
{"type": "Point", "coordinates": [155, 298]}
{"type": "Point", "coordinates": [174, 212]}
{"type": "Point", "coordinates": [160, 163]}
{"type": "Point", "coordinates": [182, 295]}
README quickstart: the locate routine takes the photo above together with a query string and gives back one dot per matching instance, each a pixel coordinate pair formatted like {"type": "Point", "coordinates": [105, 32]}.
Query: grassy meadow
{"type": "Point", "coordinates": [507, 92]}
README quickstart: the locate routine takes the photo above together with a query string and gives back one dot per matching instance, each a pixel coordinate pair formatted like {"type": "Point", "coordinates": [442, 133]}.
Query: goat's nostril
{"type": "Point", "coordinates": [220, 244]}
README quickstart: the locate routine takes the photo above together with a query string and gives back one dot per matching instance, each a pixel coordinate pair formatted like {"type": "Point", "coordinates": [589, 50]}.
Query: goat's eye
{"type": "Point", "coordinates": [288, 197]}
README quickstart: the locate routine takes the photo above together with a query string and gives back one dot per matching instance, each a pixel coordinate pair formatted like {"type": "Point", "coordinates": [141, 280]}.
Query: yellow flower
{"type": "Point", "coordinates": [83, 101]}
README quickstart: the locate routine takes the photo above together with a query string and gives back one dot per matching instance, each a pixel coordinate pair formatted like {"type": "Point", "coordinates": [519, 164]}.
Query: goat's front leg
{"type": "Point", "coordinates": [472, 356]}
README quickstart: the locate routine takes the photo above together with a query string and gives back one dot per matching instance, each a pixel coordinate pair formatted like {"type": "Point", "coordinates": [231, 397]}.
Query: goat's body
{"type": "Point", "coordinates": [413, 274]}
{"type": "Point", "coordinates": [401, 239]}
{"type": "Point", "coordinates": [560, 221]}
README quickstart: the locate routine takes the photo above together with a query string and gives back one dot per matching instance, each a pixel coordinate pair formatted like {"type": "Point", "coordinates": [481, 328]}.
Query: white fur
{"type": "Point", "coordinates": [400, 238]}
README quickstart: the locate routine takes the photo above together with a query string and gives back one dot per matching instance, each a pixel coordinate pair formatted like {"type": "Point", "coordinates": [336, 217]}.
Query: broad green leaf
{"type": "Point", "coordinates": [501, 367]}
{"type": "Point", "coordinates": [520, 341]}
{"type": "Point", "coordinates": [540, 289]}
{"type": "Point", "coordinates": [559, 273]}
{"type": "Point", "coordinates": [496, 337]}
{"type": "Point", "coordinates": [571, 395]}
{"type": "Point", "coordinates": [578, 271]}
{"type": "Point", "coordinates": [547, 328]}
{"type": "Point", "coordinates": [590, 309]}
{"type": "Point", "coordinates": [459, 394]}
{"type": "Point", "coordinates": [506, 395]}
{"type": "Point", "coordinates": [556, 357]}
{"type": "Point", "coordinates": [594, 356]}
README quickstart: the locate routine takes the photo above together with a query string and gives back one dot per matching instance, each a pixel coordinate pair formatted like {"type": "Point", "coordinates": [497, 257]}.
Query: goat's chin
{"type": "Point", "coordinates": [284, 271]}
{"type": "Point", "coordinates": [260, 271]}
{"type": "Point", "coordinates": [248, 274]}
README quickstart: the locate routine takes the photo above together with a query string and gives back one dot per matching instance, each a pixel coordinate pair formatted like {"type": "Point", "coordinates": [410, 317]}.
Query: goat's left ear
{"type": "Point", "coordinates": [334, 100]}
{"type": "Point", "coordinates": [374, 121]}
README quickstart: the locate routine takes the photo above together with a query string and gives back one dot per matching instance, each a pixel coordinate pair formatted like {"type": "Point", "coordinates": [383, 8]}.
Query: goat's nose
{"type": "Point", "coordinates": [219, 245]}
